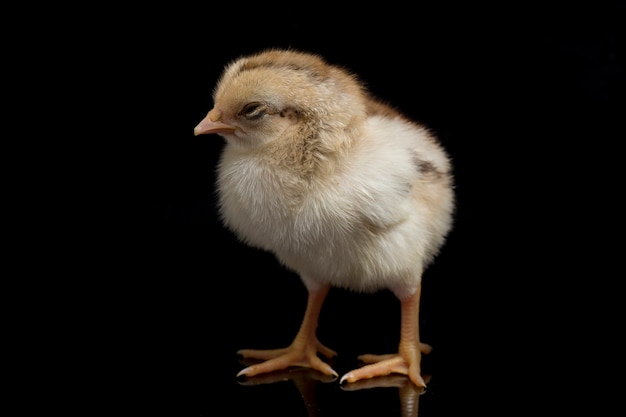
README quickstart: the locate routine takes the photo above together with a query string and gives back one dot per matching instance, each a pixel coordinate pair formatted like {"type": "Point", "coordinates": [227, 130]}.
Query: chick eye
{"type": "Point", "coordinates": [253, 111]}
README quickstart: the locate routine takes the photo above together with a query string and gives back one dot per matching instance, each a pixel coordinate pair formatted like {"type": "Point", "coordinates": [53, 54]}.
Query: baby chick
{"type": "Point", "coordinates": [342, 188]}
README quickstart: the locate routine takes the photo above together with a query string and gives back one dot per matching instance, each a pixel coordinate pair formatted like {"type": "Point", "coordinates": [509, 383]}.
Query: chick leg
{"type": "Point", "coordinates": [408, 359]}
{"type": "Point", "coordinates": [302, 351]}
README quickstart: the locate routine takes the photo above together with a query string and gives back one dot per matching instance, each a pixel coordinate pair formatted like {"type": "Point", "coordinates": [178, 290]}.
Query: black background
{"type": "Point", "coordinates": [524, 98]}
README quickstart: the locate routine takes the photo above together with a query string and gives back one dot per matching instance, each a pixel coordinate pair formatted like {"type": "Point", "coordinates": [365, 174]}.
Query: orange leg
{"type": "Point", "coordinates": [302, 351]}
{"type": "Point", "coordinates": [408, 359]}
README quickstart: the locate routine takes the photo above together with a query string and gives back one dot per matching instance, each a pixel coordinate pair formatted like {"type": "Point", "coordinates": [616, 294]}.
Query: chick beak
{"type": "Point", "coordinates": [212, 124]}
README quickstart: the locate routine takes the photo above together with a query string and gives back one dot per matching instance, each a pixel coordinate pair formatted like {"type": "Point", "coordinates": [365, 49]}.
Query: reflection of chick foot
{"type": "Point", "coordinates": [292, 374]}
{"type": "Point", "coordinates": [296, 355]}
{"type": "Point", "coordinates": [409, 393]}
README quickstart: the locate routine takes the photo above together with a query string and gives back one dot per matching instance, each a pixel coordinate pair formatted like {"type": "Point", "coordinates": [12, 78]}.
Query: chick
{"type": "Point", "coordinates": [339, 186]}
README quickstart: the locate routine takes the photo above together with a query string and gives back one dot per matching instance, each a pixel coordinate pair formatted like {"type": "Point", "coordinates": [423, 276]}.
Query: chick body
{"type": "Point", "coordinates": [342, 188]}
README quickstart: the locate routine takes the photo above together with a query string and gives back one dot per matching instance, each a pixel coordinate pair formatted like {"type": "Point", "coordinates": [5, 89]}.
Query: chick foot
{"type": "Point", "coordinates": [382, 365]}
{"type": "Point", "coordinates": [303, 350]}
{"type": "Point", "coordinates": [408, 359]}
{"type": "Point", "coordinates": [299, 354]}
